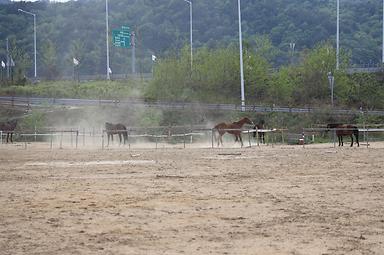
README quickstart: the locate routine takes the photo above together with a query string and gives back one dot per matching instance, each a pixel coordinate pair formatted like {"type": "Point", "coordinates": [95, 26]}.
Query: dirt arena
{"type": "Point", "coordinates": [260, 200]}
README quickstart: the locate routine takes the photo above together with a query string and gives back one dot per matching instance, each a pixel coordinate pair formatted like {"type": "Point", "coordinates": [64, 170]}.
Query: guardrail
{"type": "Point", "coordinates": [38, 101]}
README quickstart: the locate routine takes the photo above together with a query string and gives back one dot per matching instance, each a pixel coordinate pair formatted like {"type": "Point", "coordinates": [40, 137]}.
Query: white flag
{"type": "Point", "coordinates": [154, 58]}
{"type": "Point", "coordinates": [109, 70]}
{"type": "Point", "coordinates": [2, 64]}
{"type": "Point", "coordinates": [75, 61]}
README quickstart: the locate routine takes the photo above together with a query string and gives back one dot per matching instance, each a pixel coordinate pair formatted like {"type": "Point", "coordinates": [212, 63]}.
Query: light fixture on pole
{"type": "Point", "coordinates": [292, 47]}
{"type": "Point", "coordinates": [331, 80]}
{"type": "Point", "coordinates": [241, 60]}
{"type": "Point", "coordinates": [34, 35]}
{"type": "Point", "coordinates": [107, 37]}
{"type": "Point", "coordinates": [190, 28]}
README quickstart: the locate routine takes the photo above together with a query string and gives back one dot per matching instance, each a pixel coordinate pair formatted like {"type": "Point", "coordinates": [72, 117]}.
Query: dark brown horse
{"type": "Point", "coordinates": [345, 130]}
{"type": "Point", "coordinates": [232, 128]}
{"type": "Point", "coordinates": [116, 129]}
{"type": "Point", "coordinates": [261, 135]}
{"type": "Point", "coordinates": [8, 127]}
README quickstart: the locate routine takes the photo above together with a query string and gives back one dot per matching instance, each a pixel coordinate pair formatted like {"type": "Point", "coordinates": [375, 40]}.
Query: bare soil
{"type": "Point", "coordinates": [283, 199]}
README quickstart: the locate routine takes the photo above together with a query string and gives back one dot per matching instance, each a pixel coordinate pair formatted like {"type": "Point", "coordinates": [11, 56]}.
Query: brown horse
{"type": "Point", "coordinates": [116, 129]}
{"type": "Point", "coordinates": [345, 130]}
{"type": "Point", "coordinates": [232, 128]}
{"type": "Point", "coordinates": [8, 127]}
{"type": "Point", "coordinates": [261, 135]}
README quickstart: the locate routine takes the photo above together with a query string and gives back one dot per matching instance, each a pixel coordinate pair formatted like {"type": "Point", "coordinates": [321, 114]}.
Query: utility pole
{"type": "Point", "coordinates": [107, 37]}
{"type": "Point", "coordinates": [241, 60]}
{"type": "Point", "coordinates": [8, 60]}
{"type": "Point", "coordinates": [133, 52]}
{"type": "Point", "coordinates": [337, 34]}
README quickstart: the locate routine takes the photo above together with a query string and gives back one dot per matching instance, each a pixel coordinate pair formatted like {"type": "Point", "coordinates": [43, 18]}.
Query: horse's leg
{"type": "Point", "coordinates": [340, 139]}
{"type": "Point", "coordinates": [241, 140]}
{"type": "Point", "coordinates": [357, 139]}
{"type": "Point", "coordinates": [351, 140]}
{"type": "Point", "coordinates": [217, 138]}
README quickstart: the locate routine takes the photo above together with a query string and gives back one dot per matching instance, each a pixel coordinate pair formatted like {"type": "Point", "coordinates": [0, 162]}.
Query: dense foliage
{"type": "Point", "coordinates": [77, 29]}
{"type": "Point", "coordinates": [275, 72]}
{"type": "Point", "coordinates": [215, 78]}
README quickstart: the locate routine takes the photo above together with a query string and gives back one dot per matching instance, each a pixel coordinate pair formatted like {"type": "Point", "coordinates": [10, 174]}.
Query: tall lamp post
{"type": "Point", "coordinates": [241, 60]}
{"type": "Point", "coordinates": [190, 28]}
{"type": "Point", "coordinates": [331, 80]}
{"type": "Point", "coordinates": [292, 47]}
{"type": "Point", "coordinates": [34, 35]}
{"type": "Point", "coordinates": [337, 33]}
{"type": "Point", "coordinates": [107, 38]}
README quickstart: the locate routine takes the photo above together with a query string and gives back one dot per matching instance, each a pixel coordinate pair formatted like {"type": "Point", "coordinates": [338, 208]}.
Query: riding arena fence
{"type": "Point", "coordinates": [179, 137]}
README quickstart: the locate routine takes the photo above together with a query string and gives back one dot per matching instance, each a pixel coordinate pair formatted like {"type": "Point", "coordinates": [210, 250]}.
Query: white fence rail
{"type": "Point", "coordinates": [156, 137]}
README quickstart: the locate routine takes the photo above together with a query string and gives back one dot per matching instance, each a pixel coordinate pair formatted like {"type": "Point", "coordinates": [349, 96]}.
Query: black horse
{"type": "Point", "coordinates": [345, 130]}
{"type": "Point", "coordinates": [9, 127]}
{"type": "Point", "coordinates": [116, 129]}
{"type": "Point", "coordinates": [261, 135]}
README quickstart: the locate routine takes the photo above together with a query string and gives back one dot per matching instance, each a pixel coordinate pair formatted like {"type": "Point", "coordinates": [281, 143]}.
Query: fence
{"type": "Point", "coordinates": [180, 137]}
{"type": "Point", "coordinates": [38, 101]}
{"type": "Point", "coordinates": [369, 135]}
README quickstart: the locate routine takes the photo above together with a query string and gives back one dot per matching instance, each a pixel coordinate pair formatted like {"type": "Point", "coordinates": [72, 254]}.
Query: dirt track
{"type": "Point", "coordinates": [280, 200]}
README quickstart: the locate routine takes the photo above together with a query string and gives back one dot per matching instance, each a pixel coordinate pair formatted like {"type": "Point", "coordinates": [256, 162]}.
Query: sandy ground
{"type": "Point", "coordinates": [260, 200]}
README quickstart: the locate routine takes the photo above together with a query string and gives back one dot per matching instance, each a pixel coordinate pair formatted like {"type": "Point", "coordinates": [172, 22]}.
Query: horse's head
{"type": "Point", "coordinates": [246, 120]}
{"type": "Point", "coordinates": [13, 123]}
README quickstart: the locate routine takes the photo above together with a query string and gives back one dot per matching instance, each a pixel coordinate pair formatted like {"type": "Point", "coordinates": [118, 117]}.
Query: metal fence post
{"type": "Point", "coordinates": [51, 139]}
{"type": "Point", "coordinates": [102, 139]}
{"type": "Point", "coordinates": [61, 140]}
{"type": "Point", "coordinates": [77, 137]}
{"type": "Point", "coordinates": [83, 136]}
{"type": "Point", "coordinates": [249, 139]}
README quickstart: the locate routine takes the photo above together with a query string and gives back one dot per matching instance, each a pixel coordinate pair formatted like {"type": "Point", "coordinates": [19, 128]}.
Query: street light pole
{"type": "Point", "coordinates": [241, 60]}
{"type": "Point", "coordinates": [337, 33]}
{"type": "Point", "coordinates": [331, 80]}
{"type": "Point", "coordinates": [292, 47]}
{"type": "Point", "coordinates": [34, 35]}
{"type": "Point", "coordinates": [190, 28]}
{"type": "Point", "coordinates": [107, 39]}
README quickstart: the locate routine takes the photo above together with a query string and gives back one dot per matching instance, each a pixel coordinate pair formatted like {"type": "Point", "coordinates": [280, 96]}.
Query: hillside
{"type": "Point", "coordinates": [77, 29]}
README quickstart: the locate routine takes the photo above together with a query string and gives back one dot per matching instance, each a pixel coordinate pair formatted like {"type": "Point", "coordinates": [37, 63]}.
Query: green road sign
{"type": "Point", "coordinates": [121, 37]}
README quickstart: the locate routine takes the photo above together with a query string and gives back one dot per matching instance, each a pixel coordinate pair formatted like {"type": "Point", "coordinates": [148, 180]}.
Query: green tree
{"type": "Point", "coordinates": [49, 60]}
